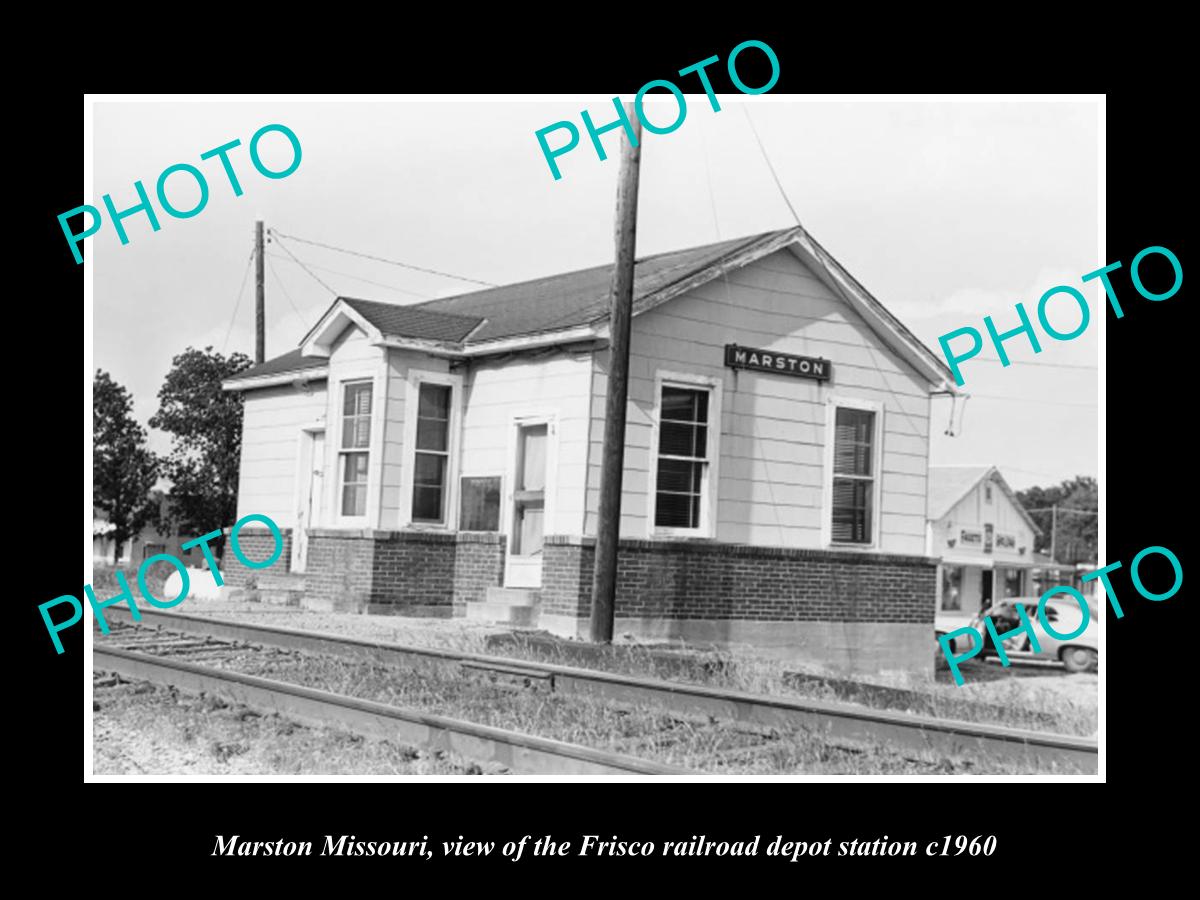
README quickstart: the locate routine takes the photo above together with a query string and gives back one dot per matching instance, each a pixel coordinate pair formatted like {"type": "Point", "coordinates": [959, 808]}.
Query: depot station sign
{"type": "Point", "coordinates": [780, 363]}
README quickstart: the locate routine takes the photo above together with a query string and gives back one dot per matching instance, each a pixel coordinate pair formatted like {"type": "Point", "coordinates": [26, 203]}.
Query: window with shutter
{"type": "Point", "coordinates": [683, 463]}
{"type": "Point", "coordinates": [853, 476]}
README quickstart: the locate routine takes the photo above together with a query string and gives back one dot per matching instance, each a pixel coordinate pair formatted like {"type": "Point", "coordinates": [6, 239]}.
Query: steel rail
{"type": "Point", "coordinates": [521, 753]}
{"type": "Point", "coordinates": [837, 720]}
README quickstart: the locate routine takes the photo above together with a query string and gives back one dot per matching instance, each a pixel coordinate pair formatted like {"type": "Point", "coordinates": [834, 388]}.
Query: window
{"type": "Point", "coordinates": [1012, 582]}
{"type": "Point", "coordinates": [951, 588]}
{"type": "Point", "coordinates": [987, 492]}
{"type": "Point", "coordinates": [853, 475]}
{"type": "Point", "coordinates": [356, 439]}
{"type": "Point", "coordinates": [431, 459]}
{"type": "Point", "coordinates": [479, 508]}
{"type": "Point", "coordinates": [683, 458]}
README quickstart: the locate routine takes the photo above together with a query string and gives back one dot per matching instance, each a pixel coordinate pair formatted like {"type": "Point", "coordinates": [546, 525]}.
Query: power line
{"type": "Point", "coordinates": [389, 287]}
{"type": "Point", "coordinates": [279, 281]}
{"type": "Point", "coordinates": [778, 184]}
{"type": "Point", "coordinates": [708, 177]}
{"type": "Point", "coordinates": [1027, 400]}
{"type": "Point", "coordinates": [1024, 400]}
{"type": "Point", "coordinates": [381, 259]}
{"type": "Point", "coordinates": [238, 304]}
{"type": "Point", "coordinates": [1084, 512]}
{"type": "Point", "coordinates": [1034, 472]}
{"type": "Point", "coordinates": [275, 234]}
{"type": "Point", "coordinates": [1042, 364]}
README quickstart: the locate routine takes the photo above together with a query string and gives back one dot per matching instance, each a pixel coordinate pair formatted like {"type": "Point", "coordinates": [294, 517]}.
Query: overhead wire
{"type": "Point", "coordinates": [238, 303]}
{"type": "Point", "coordinates": [763, 149]}
{"type": "Point", "coordinates": [393, 262]}
{"type": "Point", "coordinates": [286, 250]}
{"type": "Point", "coordinates": [279, 281]}
{"type": "Point", "coordinates": [390, 287]}
{"type": "Point", "coordinates": [1029, 400]}
{"type": "Point", "coordinates": [1032, 363]}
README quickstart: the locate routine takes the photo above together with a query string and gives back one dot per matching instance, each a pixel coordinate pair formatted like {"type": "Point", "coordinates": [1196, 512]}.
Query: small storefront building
{"type": "Point", "coordinates": [444, 457]}
{"type": "Point", "coordinates": [984, 537]}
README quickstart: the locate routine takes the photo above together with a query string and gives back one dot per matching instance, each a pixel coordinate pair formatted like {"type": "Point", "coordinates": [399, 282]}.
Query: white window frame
{"type": "Point", "coordinates": [373, 448]}
{"type": "Point", "coordinates": [831, 407]}
{"type": "Point", "coordinates": [414, 380]}
{"type": "Point", "coordinates": [708, 492]}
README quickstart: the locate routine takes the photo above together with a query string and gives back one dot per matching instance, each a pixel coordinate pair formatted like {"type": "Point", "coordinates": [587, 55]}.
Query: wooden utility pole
{"type": "Point", "coordinates": [604, 576]}
{"type": "Point", "coordinates": [260, 322]}
{"type": "Point", "coordinates": [1054, 532]}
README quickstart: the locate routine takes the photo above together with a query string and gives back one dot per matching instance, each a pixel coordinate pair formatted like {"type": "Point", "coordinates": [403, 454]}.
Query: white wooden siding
{"type": "Point", "coordinates": [772, 426]}
{"type": "Point", "coordinates": [497, 391]}
{"type": "Point", "coordinates": [271, 427]}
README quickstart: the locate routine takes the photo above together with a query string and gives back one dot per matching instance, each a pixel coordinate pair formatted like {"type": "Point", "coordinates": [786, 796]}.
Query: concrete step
{"type": "Point", "coordinates": [499, 612]}
{"type": "Point", "coordinates": [516, 596]}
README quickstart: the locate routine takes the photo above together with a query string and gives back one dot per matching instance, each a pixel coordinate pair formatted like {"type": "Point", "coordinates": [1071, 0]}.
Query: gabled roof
{"type": "Point", "coordinates": [950, 484]}
{"type": "Point", "coordinates": [417, 321]}
{"type": "Point", "coordinates": [573, 306]}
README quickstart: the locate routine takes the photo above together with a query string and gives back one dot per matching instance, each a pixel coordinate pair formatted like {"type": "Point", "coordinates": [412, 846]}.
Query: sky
{"type": "Point", "coordinates": [945, 211]}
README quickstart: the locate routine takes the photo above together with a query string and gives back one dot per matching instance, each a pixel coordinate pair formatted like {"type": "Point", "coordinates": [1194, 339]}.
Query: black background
{"type": "Point", "coordinates": [1047, 832]}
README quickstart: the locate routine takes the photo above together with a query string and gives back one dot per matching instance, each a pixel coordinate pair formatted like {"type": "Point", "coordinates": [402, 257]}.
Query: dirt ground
{"type": "Point", "coordinates": [141, 729]}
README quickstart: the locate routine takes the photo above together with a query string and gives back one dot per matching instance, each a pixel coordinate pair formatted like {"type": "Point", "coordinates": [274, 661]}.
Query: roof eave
{"type": "Point", "coordinates": [312, 373]}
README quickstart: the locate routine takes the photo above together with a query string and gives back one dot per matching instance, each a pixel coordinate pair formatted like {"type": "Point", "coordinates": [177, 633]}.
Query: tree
{"type": "Point", "coordinates": [124, 469]}
{"type": "Point", "coordinates": [205, 424]}
{"type": "Point", "coordinates": [1076, 533]}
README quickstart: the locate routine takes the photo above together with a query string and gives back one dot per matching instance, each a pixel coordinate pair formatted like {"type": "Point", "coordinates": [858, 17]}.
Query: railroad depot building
{"type": "Point", "coordinates": [984, 538]}
{"type": "Point", "coordinates": [444, 457]}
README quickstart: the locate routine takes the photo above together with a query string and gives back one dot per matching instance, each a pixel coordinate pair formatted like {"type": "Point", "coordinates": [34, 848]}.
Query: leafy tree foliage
{"type": "Point", "coordinates": [205, 424]}
{"type": "Point", "coordinates": [1076, 534]}
{"type": "Point", "coordinates": [124, 469]}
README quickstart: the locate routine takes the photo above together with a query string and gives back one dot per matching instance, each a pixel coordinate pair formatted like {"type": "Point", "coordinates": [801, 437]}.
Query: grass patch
{"type": "Point", "coordinates": [699, 743]}
{"type": "Point", "coordinates": [104, 580]}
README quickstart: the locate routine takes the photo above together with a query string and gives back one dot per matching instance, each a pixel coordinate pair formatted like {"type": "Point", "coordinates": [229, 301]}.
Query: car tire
{"type": "Point", "coordinates": [1080, 659]}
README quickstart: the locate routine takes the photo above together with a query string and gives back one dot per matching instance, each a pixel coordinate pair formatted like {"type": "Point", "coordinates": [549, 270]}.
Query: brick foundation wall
{"type": "Point", "coordinates": [258, 545]}
{"type": "Point", "coordinates": [413, 572]}
{"type": "Point", "coordinates": [567, 565]}
{"type": "Point", "coordinates": [709, 580]}
{"type": "Point", "coordinates": [478, 565]}
{"type": "Point", "coordinates": [338, 572]}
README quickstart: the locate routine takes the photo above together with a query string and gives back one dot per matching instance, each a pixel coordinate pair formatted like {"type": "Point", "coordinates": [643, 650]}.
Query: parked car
{"type": "Point", "coordinates": [1078, 654]}
{"type": "Point", "coordinates": [945, 622]}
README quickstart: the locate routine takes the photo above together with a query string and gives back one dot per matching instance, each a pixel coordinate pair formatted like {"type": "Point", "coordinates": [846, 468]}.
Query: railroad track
{"type": "Point", "coordinates": [173, 661]}
{"type": "Point", "coordinates": [835, 720]}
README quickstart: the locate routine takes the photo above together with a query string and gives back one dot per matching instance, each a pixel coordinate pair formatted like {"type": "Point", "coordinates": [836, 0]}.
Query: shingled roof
{"type": "Point", "coordinates": [416, 321]}
{"type": "Point", "coordinates": [292, 361]}
{"type": "Point", "coordinates": [576, 298]}
{"type": "Point", "coordinates": [574, 306]}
